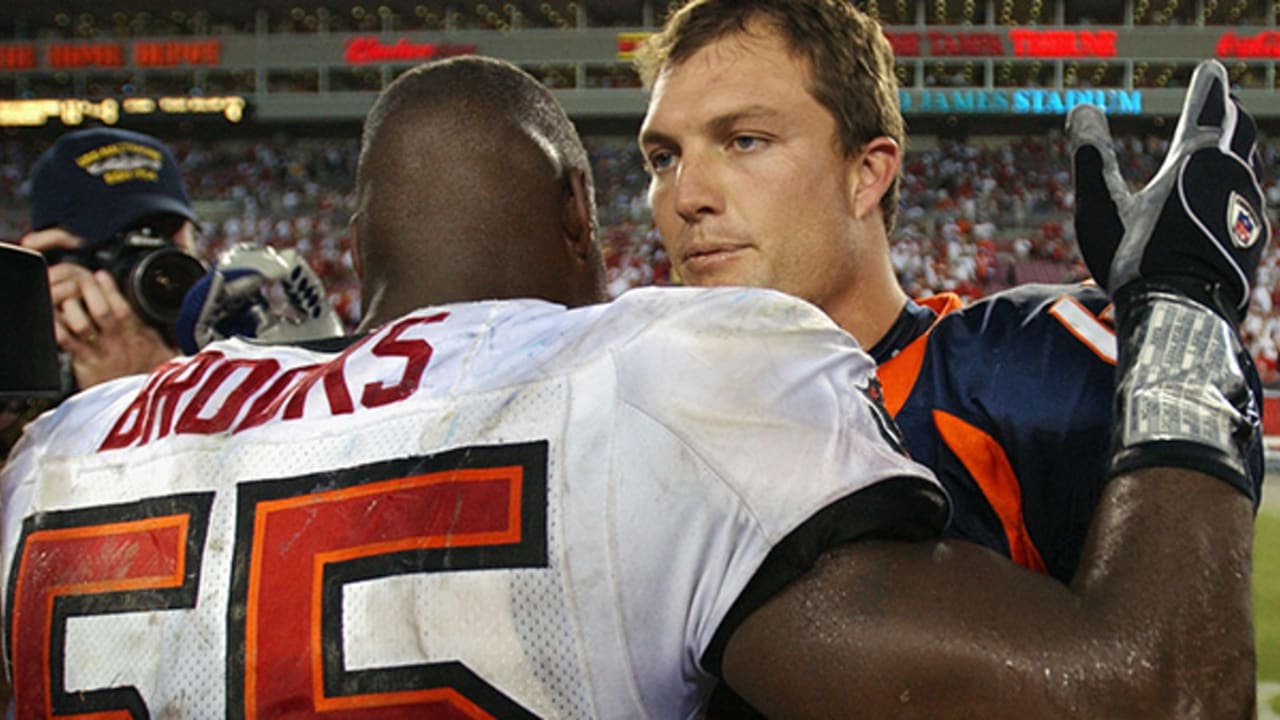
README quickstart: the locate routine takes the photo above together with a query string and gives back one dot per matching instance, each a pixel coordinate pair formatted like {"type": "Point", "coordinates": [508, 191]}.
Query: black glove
{"type": "Point", "coordinates": [1199, 225]}
{"type": "Point", "coordinates": [1179, 258]}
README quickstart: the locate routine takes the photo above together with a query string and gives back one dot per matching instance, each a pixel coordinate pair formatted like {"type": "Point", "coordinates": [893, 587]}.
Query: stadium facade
{"type": "Point", "coordinates": [963, 64]}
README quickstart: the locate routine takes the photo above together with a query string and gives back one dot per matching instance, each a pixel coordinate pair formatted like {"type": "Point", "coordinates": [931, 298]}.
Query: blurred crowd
{"type": "Point", "coordinates": [976, 217]}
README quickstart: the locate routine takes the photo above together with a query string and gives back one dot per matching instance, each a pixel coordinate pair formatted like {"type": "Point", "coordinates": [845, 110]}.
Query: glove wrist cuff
{"type": "Point", "coordinates": [1181, 395]}
{"type": "Point", "coordinates": [1211, 295]}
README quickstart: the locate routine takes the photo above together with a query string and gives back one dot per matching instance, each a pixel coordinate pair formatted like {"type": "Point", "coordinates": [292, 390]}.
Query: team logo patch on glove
{"type": "Point", "coordinates": [1244, 224]}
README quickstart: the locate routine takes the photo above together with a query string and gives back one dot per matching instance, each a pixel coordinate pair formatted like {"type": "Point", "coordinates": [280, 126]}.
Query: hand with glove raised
{"type": "Point", "coordinates": [1179, 258]}
{"type": "Point", "coordinates": [1200, 224]}
{"type": "Point", "coordinates": [232, 301]}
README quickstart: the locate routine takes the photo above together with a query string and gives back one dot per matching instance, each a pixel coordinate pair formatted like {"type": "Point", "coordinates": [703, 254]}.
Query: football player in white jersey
{"type": "Point", "coordinates": [489, 505]}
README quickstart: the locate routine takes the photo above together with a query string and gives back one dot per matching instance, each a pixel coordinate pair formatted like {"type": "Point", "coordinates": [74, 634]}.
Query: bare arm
{"type": "Point", "coordinates": [1157, 622]}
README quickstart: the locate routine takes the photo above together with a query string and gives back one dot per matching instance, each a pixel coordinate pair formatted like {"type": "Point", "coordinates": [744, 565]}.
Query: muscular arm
{"type": "Point", "coordinates": [1156, 622]}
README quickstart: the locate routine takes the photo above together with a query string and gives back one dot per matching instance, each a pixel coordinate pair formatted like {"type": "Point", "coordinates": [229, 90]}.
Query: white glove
{"type": "Point", "coordinates": [232, 300]}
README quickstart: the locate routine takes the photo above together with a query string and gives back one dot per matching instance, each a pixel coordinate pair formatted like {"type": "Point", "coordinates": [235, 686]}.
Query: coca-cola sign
{"type": "Point", "coordinates": [1265, 44]}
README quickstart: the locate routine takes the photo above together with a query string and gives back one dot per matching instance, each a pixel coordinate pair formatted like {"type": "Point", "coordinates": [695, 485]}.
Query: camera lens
{"type": "Point", "coordinates": [159, 281]}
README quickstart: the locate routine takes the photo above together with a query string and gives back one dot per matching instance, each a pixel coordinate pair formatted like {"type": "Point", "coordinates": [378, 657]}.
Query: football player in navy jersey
{"type": "Point", "coordinates": [773, 138]}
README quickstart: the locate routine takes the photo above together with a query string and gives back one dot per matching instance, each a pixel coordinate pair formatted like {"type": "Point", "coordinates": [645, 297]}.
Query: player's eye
{"type": "Point", "coordinates": [660, 160]}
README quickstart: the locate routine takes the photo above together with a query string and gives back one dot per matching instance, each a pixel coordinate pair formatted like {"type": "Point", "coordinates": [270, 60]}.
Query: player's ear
{"type": "Point", "coordinates": [873, 170]}
{"type": "Point", "coordinates": [354, 226]}
{"type": "Point", "coordinates": [577, 218]}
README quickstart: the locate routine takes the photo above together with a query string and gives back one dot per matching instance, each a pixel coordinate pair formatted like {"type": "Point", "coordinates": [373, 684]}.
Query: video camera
{"type": "Point", "coordinates": [152, 273]}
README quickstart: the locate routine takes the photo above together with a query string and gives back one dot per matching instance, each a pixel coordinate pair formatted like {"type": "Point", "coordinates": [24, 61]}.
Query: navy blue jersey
{"type": "Point", "coordinates": [1009, 401]}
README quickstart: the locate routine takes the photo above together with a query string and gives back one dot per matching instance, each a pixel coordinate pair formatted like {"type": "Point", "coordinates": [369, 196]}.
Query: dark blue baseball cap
{"type": "Point", "coordinates": [100, 181]}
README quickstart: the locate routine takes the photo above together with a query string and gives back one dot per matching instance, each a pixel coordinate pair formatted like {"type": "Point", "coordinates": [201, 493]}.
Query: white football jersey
{"type": "Point", "coordinates": [496, 509]}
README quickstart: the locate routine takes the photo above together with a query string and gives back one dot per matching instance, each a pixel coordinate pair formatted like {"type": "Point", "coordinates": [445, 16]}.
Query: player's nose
{"type": "Point", "coordinates": [698, 191]}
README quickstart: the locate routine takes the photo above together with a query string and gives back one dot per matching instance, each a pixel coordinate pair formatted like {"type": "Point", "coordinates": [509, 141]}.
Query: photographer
{"type": "Point", "coordinates": [111, 214]}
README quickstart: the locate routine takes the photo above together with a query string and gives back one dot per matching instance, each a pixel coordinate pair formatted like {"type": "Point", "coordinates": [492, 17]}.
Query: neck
{"type": "Point", "coordinates": [872, 302]}
{"type": "Point", "coordinates": [377, 307]}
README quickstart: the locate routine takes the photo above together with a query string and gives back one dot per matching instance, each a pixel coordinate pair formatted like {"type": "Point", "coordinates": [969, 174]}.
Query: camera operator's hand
{"type": "Point", "coordinates": [93, 322]}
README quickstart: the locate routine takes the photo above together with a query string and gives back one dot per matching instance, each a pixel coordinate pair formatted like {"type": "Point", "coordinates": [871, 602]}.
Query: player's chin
{"type": "Point", "coordinates": [713, 269]}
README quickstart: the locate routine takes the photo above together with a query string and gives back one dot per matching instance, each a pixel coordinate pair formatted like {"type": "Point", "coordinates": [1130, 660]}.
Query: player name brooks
{"type": "Point", "coordinates": [211, 393]}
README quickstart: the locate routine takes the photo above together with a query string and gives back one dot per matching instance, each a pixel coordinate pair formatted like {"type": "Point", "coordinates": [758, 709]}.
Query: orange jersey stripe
{"type": "Point", "coordinates": [898, 374]}
{"type": "Point", "coordinates": [987, 462]}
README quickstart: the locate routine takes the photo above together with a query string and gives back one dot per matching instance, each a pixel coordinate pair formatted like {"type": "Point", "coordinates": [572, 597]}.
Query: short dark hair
{"type": "Point", "coordinates": [465, 168]}
{"type": "Point", "coordinates": [484, 83]}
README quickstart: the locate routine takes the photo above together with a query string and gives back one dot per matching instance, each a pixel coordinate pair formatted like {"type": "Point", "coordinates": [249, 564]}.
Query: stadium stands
{"type": "Point", "coordinates": [976, 217]}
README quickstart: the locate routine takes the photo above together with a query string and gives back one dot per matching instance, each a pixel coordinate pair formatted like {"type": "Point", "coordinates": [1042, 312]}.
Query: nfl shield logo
{"type": "Point", "coordinates": [1244, 224]}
